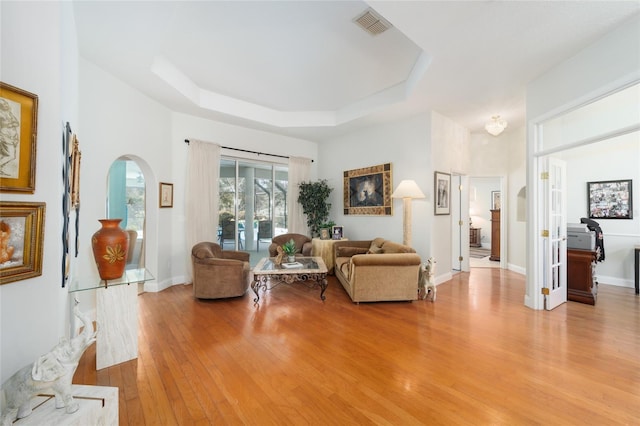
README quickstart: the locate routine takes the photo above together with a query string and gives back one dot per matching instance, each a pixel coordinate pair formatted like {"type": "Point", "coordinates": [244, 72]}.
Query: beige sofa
{"type": "Point", "coordinates": [377, 270]}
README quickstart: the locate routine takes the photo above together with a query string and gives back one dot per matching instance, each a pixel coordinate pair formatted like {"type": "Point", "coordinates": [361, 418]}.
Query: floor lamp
{"type": "Point", "coordinates": [407, 190]}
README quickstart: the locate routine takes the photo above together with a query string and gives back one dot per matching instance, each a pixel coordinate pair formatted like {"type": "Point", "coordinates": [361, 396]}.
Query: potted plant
{"type": "Point", "coordinates": [289, 248]}
{"type": "Point", "coordinates": [313, 198]}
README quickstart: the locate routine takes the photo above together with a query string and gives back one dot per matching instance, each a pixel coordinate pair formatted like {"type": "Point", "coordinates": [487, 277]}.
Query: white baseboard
{"type": "Point", "coordinates": [618, 282]}
{"type": "Point", "coordinates": [155, 286]}
{"type": "Point", "coordinates": [517, 269]}
{"type": "Point", "coordinates": [439, 279]}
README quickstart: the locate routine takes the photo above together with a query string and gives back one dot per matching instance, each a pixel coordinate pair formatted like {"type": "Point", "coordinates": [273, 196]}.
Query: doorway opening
{"type": "Point", "coordinates": [126, 200]}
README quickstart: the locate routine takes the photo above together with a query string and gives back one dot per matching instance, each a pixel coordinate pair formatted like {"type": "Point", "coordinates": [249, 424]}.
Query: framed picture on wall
{"type": "Point", "coordinates": [18, 125]}
{"type": "Point", "coordinates": [611, 199]}
{"type": "Point", "coordinates": [166, 194]}
{"type": "Point", "coordinates": [442, 191]}
{"type": "Point", "coordinates": [367, 191]}
{"type": "Point", "coordinates": [21, 245]}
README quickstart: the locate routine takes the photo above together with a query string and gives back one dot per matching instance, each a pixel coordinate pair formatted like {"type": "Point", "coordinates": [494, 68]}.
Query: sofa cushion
{"type": "Point", "coordinates": [376, 246]}
{"type": "Point", "coordinates": [207, 251]}
{"type": "Point", "coordinates": [391, 247]}
{"type": "Point", "coordinates": [350, 251]}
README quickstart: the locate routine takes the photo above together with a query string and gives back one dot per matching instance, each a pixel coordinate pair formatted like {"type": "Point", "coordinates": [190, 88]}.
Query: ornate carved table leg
{"type": "Point", "coordinates": [255, 286]}
{"type": "Point", "coordinates": [322, 281]}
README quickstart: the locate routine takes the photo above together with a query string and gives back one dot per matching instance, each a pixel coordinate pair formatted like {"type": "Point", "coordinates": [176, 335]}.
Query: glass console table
{"type": "Point", "coordinates": [130, 276]}
{"type": "Point", "coordinates": [116, 316]}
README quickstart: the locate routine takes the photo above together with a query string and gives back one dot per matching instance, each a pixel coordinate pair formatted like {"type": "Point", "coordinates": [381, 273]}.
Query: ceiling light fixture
{"type": "Point", "coordinates": [496, 125]}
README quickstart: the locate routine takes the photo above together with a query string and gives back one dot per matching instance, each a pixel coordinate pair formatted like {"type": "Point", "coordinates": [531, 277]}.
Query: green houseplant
{"type": "Point", "coordinates": [289, 248]}
{"type": "Point", "coordinates": [313, 198]}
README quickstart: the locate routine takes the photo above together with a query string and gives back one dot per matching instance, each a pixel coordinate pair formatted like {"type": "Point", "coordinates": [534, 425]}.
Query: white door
{"type": "Point", "coordinates": [553, 231]}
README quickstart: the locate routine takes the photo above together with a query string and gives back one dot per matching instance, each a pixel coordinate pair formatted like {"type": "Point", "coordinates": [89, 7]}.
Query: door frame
{"type": "Point", "coordinates": [534, 298]}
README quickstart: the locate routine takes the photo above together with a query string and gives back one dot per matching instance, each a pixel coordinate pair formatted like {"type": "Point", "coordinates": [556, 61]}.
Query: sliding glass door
{"type": "Point", "coordinates": [253, 197]}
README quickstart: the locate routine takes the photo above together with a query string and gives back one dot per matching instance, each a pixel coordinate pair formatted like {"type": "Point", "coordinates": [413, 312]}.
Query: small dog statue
{"type": "Point", "coordinates": [426, 283]}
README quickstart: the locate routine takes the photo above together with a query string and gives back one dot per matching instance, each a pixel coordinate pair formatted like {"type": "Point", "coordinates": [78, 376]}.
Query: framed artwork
{"type": "Point", "coordinates": [611, 199]}
{"type": "Point", "coordinates": [442, 189]}
{"type": "Point", "coordinates": [21, 240]}
{"type": "Point", "coordinates": [367, 191]}
{"type": "Point", "coordinates": [166, 194]}
{"type": "Point", "coordinates": [18, 124]}
{"type": "Point", "coordinates": [495, 200]}
{"type": "Point", "coordinates": [75, 172]}
{"type": "Point", "coordinates": [336, 233]}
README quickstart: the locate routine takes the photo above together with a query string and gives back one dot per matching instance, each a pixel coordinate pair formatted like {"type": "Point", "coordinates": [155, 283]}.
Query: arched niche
{"type": "Point", "coordinates": [127, 200]}
{"type": "Point", "coordinates": [521, 212]}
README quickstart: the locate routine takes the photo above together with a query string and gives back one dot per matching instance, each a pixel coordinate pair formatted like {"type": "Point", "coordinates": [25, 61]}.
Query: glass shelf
{"type": "Point", "coordinates": [130, 276]}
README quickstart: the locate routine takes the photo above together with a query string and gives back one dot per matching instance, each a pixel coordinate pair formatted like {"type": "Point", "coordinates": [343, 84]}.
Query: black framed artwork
{"type": "Point", "coordinates": [610, 199]}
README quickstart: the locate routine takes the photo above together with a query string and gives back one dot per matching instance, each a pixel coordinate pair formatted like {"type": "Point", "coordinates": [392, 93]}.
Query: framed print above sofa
{"type": "Point", "coordinates": [367, 191]}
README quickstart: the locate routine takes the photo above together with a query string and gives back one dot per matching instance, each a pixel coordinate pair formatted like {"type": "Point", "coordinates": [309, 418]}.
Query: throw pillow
{"type": "Point", "coordinates": [376, 246]}
{"type": "Point", "coordinates": [350, 251]}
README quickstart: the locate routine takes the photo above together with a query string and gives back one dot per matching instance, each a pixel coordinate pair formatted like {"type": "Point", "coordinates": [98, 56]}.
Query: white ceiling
{"type": "Point", "coordinates": [304, 69]}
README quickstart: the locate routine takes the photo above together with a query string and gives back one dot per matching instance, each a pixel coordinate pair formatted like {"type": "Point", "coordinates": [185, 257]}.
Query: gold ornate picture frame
{"type": "Point", "coordinates": [21, 240]}
{"type": "Point", "coordinates": [166, 194]}
{"type": "Point", "coordinates": [367, 191]}
{"type": "Point", "coordinates": [18, 131]}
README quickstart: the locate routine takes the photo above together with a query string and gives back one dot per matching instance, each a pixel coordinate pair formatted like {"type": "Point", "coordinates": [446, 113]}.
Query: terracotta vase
{"type": "Point", "coordinates": [110, 245]}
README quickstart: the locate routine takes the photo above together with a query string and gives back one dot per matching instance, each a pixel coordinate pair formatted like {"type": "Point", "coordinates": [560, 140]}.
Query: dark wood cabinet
{"type": "Point", "coordinates": [581, 281]}
{"type": "Point", "coordinates": [475, 237]}
{"type": "Point", "coordinates": [495, 235]}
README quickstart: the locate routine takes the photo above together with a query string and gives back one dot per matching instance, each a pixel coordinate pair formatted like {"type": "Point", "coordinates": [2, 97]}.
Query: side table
{"type": "Point", "coordinates": [475, 239]}
{"type": "Point", "coordinates": [324, 249]}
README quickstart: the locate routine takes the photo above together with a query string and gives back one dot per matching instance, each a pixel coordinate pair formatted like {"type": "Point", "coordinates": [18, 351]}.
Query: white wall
{"type": "Point", "coordinates": [416, 148]}
{"type": "Point", "coordinates": [116, 121]}
{"type": "Point", "coordinates": [585, 164]}
{"type": "Point", "coordinates": [33, 311]}
{"type": "Point", "coordinates": [406, 145]}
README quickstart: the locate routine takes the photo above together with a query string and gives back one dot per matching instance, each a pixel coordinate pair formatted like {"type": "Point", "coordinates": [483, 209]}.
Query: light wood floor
{"type": "Point", "coordinates": [477, 356]}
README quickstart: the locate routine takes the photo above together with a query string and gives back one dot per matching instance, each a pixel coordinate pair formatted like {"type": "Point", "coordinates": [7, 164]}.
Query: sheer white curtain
{"type": "Point", "coordinates": [299, 171]}
{"type": "Point", "coordinates": [201, 210]}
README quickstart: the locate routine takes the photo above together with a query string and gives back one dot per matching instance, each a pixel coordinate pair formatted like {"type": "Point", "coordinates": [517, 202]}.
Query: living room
{"type": "Point", "coordinates": [113, 119]}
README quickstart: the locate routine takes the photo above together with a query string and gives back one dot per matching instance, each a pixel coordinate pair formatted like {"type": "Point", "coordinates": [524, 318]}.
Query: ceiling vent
{"type": "Point", "coordinates": [372, 23]}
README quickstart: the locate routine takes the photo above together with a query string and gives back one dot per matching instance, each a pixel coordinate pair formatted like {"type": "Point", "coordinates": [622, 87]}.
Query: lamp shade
{"type": "Point", "coordinates": [407, 189]}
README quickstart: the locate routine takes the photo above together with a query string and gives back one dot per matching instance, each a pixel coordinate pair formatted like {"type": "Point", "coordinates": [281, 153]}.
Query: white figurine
{"type": "Point", "coordinates": [51, 372]}
{"type": "Point", "coordinates": [427, 284]}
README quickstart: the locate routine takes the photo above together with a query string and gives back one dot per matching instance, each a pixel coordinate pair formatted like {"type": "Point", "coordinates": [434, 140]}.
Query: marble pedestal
{"type": "Point", "coordinates": [98, 406]}
{"type": "Point", "coordinates": [117, 318]}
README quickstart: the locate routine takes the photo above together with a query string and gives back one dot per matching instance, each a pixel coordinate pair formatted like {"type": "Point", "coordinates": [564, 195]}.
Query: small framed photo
{"type": "Point", "coordinates": [336, 233]}
{"type": "Point", "coordinates": [495, 200]}
{"type": "Point", "coordinates": [166, 194]}
{"type": "Point", "coordinates": [18, 149]}
{"type": "Point", "coordinates": [21, 240]}
{"type": "Point", "coordinates": [442, 189]}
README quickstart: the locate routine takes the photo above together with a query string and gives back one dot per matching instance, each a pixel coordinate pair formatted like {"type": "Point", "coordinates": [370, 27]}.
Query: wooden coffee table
{"type": "Point", "coordinates": [309, 269]}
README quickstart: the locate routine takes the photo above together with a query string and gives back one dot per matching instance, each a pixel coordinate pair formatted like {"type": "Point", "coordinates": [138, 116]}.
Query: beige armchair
{"type": "Point", "coordinates": [219, 273]}
{"type": "Point", "coordinates": [303, 244]}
